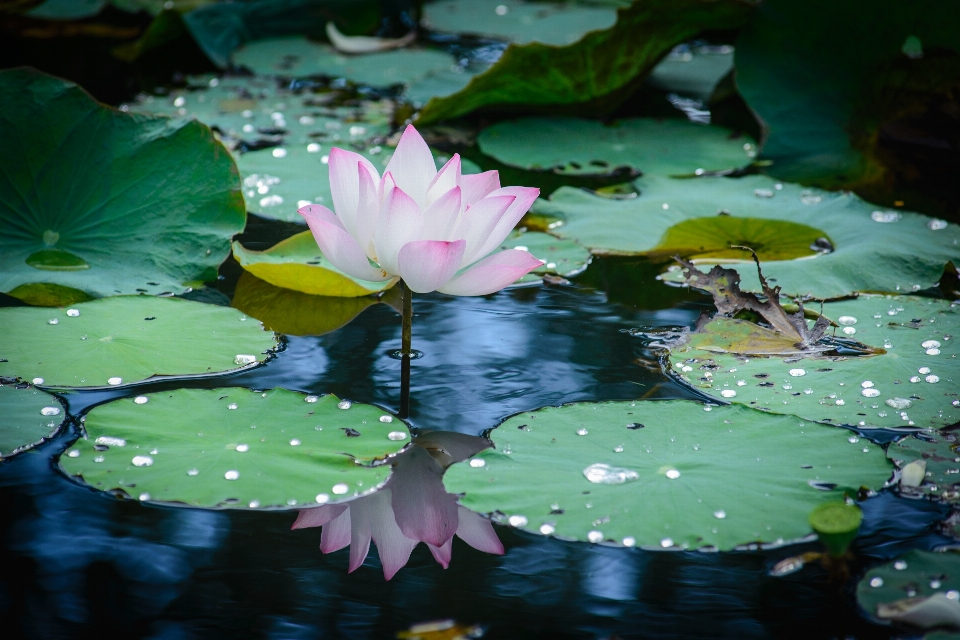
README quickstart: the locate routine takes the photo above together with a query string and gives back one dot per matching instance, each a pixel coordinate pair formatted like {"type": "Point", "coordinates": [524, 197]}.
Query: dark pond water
{"type": "Point", "coordinates": [80, 564]}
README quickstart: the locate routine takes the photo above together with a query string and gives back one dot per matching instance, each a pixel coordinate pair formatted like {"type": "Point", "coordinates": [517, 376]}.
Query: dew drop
{"type": "Point", "coordinates": [386, 419]}
{"type": "Point", "coordinates": [242, 359]}
{"type": "Point", "coordinates": [340, 489]}
{"type": "Point", "coordinates": [923, 370]}
{"type": "Point", "coordinates": [849, 331]}
{"type": "Point", "coordinates": [900, 565]}
{"type": "Point", "coordinates": [243, 448]}
{"type": "Point", "coordinates": [582, 432]}
{"type": "Point", "coordinates": [846, 320]}
{"type": "Point", "coordinates": [602, 473]}
{"type": "Point", "coordinates": [74, 454]}
{"type": "Point", "coordinates": [618, 448]}
{"type": "Point", "coordinates": [110, 441]}
{"type": "Point", "coordinates": [876, 582]}
{"type": "Point", "coordinates": [666, 542]}
{"type": "Point", "coordinates": [866, 384]}
{"type": "Point", "coordinates": [898, 403]}
{"type": "Point", "coordinates": [933, 352]}
{"type": "Point", "coordinates": [595, 536]}
{"type": "Point", "coordinates": [141, 400]}
{"type": "Point", "coordinates": [37, 381]}
{"type": "Point", "coordinates": [932, 379]}
{"type": "Point", "coordinates": [50, 411]}
{"type": "Point", "coordinates": [313, 147]}
{"type": "Point", "coordinates": [142, 461]}
{"type": "Point", "coordinates": [478, 463]}
{"type": "Point", "coordinates": [344, 404]}
{"type": "Point", "coordinates": [885, 216]}
{"type": "Point", "coordinates": [547, 528]}
{"type": "Point", "coordinates": [294, 443]}
{"type": "Point", "coordinates": [73, 313]}
{"type": "Point", "coordinates": [322, 498]}
{"type": "Point", "coordinates": [53, 321]}
{"type": "Point", "coordinates": [728, 393]}
{"type": "Point", "coordinates": [870, 393]}
{"type": "Point", "coordinates": [720, 514]}
{"type": "Point", "coordinates": [254, 504]}
{"type": "Point", "coordinates": [279, 152]}
{"type": "Point", "coordinates": [231, 475]}
{"type": "Point", "coordinates": [232, 405]}
{"type": "Point", "coordinates": [796, 373]}
{"type": "Point", "coordinates": [193, 472]}
{"type": "Point", "coordinates": [311, 399]}
{"type": "Point", "coordinates": [673, 474]}
{"type": "Point", "coordinates": [853, 439]}
{"type": "Point", "coordinates": [114, 381]}
{"type": "Point", "coordinates": [397, 436]}
{"type": "Point", "coordinates": [98, 459]}
{"type": "Point", "coordinates": [936, 224]}
{"type": "Point", "coordinates": [144, 497]}
{"type": "Point", "coordinates": [930, 344]}
{"type": "Point", "coordinates": [517, 521]}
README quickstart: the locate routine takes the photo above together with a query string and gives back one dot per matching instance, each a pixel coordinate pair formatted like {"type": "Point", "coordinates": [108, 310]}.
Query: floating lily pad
{"type": "Point", "coordinates": [297, 263]}
{"type": "Point", "coordinates": [917, 574]}
{"type": "Point", "coordinates": [913, 383]}
{"type": "Point", "coordinates": [295, 313]}
{"type": "Point", "coordinates": [127, 339]}
{"type": "Point", "coordinates": [663, 474]}
{"type": "Point", "coordinates": [874, 250]}
{"type": "Point", "coordinates": [594, 73]}
{"type": "Point", "coordinates": [575, 146]}
{"type": "Point", "coordinates": [564, 258]}
{"type": "Point", "coordinates": [939, 454]}
{"type": "Point", "coordinates": [29, 417]}
{"type": "Point", "coordinates": [235, 448]}
{"type": "Point", "coordinates": [518, 21]}
{"type": "Point", "coordinates": [692, 71]}
{"type": "Point", "coordinates": [86, 206]}
{"type": "Point", "coordinates": [703, 239]}
{"type": "Point", "coordinates": [822, 128]}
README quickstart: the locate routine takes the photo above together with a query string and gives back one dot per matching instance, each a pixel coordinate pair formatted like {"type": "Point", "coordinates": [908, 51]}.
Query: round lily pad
{"type": "Point", "coordinates": [663, 473]}
{"type": "Point", "coordinates": [297, 263]}
{"type": "Point", "coordinates": [873, 249]}
{"type": "Point", "coordinates": [575, 146]}
{"type": "Point", "coordinates": [914, 382]}
{"type": "Point", "coordinates": [235, 448]}
{"type": "Point", "coordinates": [29, 417]}
{"type": "Point", "coordinates": [127, 339]}
{"type": "Point", "coordinates": [518, 21]}
{"type": "Point", "coordinates": [938, 453]}
{"type": "Point", "coordinates": [702, 239]}
{"type": "Point", "coordinates": [914, 576]}
{"type": "Point", "coordinates": [295, 313]}
{"type": "Point", "coordinates": [86, 207]}
{"type": "Point", "coordinates": [564, 258]}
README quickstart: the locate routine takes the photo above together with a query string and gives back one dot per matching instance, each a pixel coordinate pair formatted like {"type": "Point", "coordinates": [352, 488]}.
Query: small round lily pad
{"type": "Point", "coordinates": [663, 474]}
{"type": "Point", "coordinates": [235, 448]}
{"type": "Point", "coordinates": [29, 417]}
{"type": "Point", "coordinates": [126, 339]}
{"type": "Point", "coordinates": [888, 590]}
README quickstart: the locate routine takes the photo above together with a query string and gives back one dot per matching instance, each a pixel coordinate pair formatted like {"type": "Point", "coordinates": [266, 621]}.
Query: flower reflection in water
{"type": "Point", "coordinates": [412, 507]}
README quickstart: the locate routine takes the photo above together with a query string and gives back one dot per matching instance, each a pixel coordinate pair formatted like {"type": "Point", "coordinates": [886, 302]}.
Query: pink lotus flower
{"type": "Point", "coordinates": [434, 229]}
{"type": "Point", "coordinates": [412, 507]}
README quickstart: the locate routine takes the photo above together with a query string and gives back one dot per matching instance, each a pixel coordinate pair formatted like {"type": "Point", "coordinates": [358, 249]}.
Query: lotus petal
{"type": "Point", "coordinates": [412, 165]}
{"type": "Point", "coordinates": [524, 198]}
{"type": "Point", "coordinates": [479, 185]}
{"type": "Point", "coordinates": [492, 273]}
{"type": "Point", "coordinates": [338, 246]}
{"type": "Point", "coordinates": [400, 222]}
{"type": "Point", "coordinates": [478, 532]}
{"type": "Point", "coordinates": [427, 264]}
{"type": "Point", "coordinates": [346, 168]}
{"type": "Point", "coordinates": [447, 178]}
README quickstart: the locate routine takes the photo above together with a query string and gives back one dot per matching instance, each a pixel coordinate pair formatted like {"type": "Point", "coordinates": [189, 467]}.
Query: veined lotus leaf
{"type": "Point", "coordinates": [939, 454]}
{"type": "Point", "coordinates": [873, 249]}
{"type": "Point", "coordinates": [575, 146]}
{"type": "Point", "coordinates": [127, 339]}
{"type": "Point", "coordinates": [663, 473]}
{"type": "Point", "coordinates": [594, 73]}
{"type": "Point", "coordinates": [235, 448]}
{"type": "Point", "coordinates": [692, 71]}
{"type": "Point", "coordinates": [29, 417]}
{"type": "Point", "coordinates": [822, 128]}
{"type": "Point", "coordinates": [518, 21]}
{"type": "Point", "coordinates": [297, 263]}
{"type": "Point", "coordinates": [564, 258]}
{"type": "Point", "coordinates": [915, 575]}
{"type": "Point", "coordinates": [295, 313]}
{"type": "Point", "coordinates": [105, 202]}
{"type": "Point", "coordinates": [913, 383]}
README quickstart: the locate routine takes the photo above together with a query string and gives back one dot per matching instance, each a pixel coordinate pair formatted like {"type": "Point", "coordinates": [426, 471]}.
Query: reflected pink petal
{"type": "Point", "coordinates": [400, 222]}
{"type": "Point", "coordinates": [336, 534]}
{"type": "Point", "coordinates": [492, 273]}
{"type": "Point", "coordinates": [427, 264]}
{"type": "Point", "coordinates": [318, 516]}
{"type": "Point", "coordinates": [442, 554]}
{"type": "Point", "coordinates": [441, 217]}
{"type": "Point", "coordinates": [447, 178]}
{"type": "Point", "coordinates": [337, 245]}
{"type": "Point", "coordinates": [345, 169]}
{"type": "Point", "coordinates": [422, 507]}
{"type": "Point", "coordinates": [412, 165]}
{"type": "Point", "coordinates": [478, 532]}
{"type": "Point", "coordinates": [478, 185]}
{"type": "Point", "coordinates": [478, 221]}
{"type": "Point", "coordinates": [524, 198]}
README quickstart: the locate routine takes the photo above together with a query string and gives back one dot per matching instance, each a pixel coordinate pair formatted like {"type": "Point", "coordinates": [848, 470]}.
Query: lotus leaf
{"type": "Point", "coordinates": [940, 456]}
{"type": "Point", "coordinates": [104, 202]}
{"type": "Point", "coordinates": [235, 448]}
{"type": "Point", "coordinates": [912, 382]}
{"type": "Point", "coordinates": [127, 339]}
{"type": "Point", "coordinates": [663, 473]}
{"type": "Point", "coordinates": [29, 417]}
{"type": "Point", "coordinates": [916, 575]}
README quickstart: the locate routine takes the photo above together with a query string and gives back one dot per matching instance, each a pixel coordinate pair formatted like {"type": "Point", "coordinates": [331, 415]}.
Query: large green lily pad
{"type": "Point", "coordinates": [518, 21]}
{"type": "Point", "coordinates": [235, 448]}
{"type": "Point", "coordinates": [917, 574]}
{"type": "Point", "coordinates": [564, 258]}
{"type": "Point", "coordinates": [575, 146]}
{"type": "Point", "coordinates": [297, 263]}
{"type": "Point", "coordinates": [663, 474]}
{"type": "Point", "coordinates": [596, 72]}
{"type": "Point", "coordinates": [874, 249]}
{"type": "Point", "coordinates": [105, 202]}
{"type": "Point", "coordinates": [915, 382]}
{"type": "Point", "coordinates": [822, 128]}
{"type": "Point", "coordinates": [295, 313]}
{"type": "Point", "coordinates": [29, 417]}
{"type": "Point", "coordinates": [939, 454]}
{"type": "Point", "coordinates": [127, 339]}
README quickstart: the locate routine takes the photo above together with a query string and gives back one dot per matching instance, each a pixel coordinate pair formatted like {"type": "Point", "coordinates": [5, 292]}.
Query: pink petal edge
{"type": "Point", "coordinates": [426, 265]}
{"type": "Point", "coordinates": [492, 273]}
{"type": "Point", "coordinates": [337, 245]}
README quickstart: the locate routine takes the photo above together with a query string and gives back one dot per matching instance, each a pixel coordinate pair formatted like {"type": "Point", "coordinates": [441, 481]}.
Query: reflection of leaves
{"type": "Point", "coordinates": [295, 313]}
{"type": "Point", "coordinates": [724, 285]}
{"type": "Point", "coordinates": [595, 72]}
